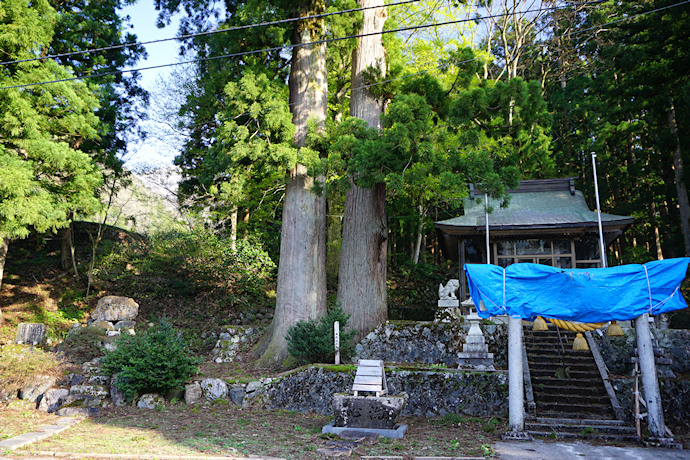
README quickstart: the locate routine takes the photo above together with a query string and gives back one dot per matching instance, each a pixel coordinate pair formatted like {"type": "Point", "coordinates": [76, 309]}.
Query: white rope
{"type": "Point", "coordinates": [649, 289]}
{"type": "Point", "coordinates": [504, 291]}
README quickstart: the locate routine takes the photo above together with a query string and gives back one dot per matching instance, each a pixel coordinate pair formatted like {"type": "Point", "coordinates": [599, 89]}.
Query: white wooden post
{"type": "Point", "coordinates": [336, 340]}
{"type": "Point", "coordinates": [650, 383]}
{"type": "Point", "coordinates": [516, 389]}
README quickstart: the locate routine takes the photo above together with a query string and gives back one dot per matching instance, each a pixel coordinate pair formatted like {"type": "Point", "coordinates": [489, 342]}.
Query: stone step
{"type": "Point", "coordinates": [566, 408]}
{"type": "Point", "coordinates": [573, 399]}
{"type": "Point", "coordinates": [572, 384]}
{"type": "Point", "coordinates": [570, 428]}
{"type": "Point", "coordinates": [592, 436]}
{"type": "Point", "coordinates": [542, 364]}
{"type": "Point", "coordinates": [555, 354]}
{"type": "Point", "coordinates": [589, 390]}
{"type": "Point", "coordinates": [577, 421]}
{"type": "Point", "coordinates": [571, 374]}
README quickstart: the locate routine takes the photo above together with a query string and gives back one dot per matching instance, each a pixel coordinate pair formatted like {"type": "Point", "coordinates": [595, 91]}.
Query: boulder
{"type": "Point", "coordinates": [31, 333]}
{"type": "Point", "coordinates": [115, 308]}
{"type": "Point", "coordinates": [38, 385]}
{"type": "Point", "coordinates": [236, 395]}
{"type": "Point", "coordinates": [125, 327]}
{"type": "Point", "coordinates": [192, 393]}
{"type": "Point", "coordinates": [117, 396]}
{"type": "Point", "coordinates": [105, 325]}
{"type": "Point", "coordinates": [78, 411]}
{"type": "Point", "coordinates": [50, 402]}
{"type": "Point", "coordinates": [213, 389]}
{"type": "Point", "coordinates": [98, 391]}
{"type": "Point", "coordinates": [79, 400]}
{"type": "Point", "coordinates": [150, 400]}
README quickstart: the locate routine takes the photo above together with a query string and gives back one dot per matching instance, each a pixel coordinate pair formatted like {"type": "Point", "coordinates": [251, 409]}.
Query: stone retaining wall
{"type": "Point", "coordinates": [432, 393]}
{"type": "Point", "coordinates": [428, 343]}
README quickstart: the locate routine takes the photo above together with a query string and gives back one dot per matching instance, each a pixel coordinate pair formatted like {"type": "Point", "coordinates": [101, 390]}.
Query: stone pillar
{"type": "Point", "coordinates": [650, 383]}
{"type": "Point", "coordinates": [516, 397]}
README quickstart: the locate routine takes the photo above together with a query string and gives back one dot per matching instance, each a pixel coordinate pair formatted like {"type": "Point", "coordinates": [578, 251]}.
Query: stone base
{"type": "Point", "coordinates": [516, 436]}
{"type": "Point", "coordinates": [350, 432]}
{"type": "Point", "coordinates": [668, 443]}
{"type": "Point", "coordinates": [483, 361]}
{"type": "Point", "coordinates": [378, 412]}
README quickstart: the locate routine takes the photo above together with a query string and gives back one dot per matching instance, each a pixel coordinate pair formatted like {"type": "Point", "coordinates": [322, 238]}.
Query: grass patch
{"type": "Point", "coordinates": [20, 363]}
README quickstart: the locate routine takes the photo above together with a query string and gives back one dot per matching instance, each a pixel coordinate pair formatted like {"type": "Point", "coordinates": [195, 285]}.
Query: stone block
{"type": "Point", "coordinates": [78, 411]}
{"type": "Point", "coordinates": [105, 325]}
{"type": "Point", "coordinates": [253, 386]}
{"type": "Point", "coordinates": [213, 389]}
{"type": "Point", "coordinates": [98, 391]}
{"type": "Point", "coordinates": [150, 400]}
{"type": "Point", "coordinates": [38, 385]}
{"type": "Point", "coordinates": [125, 325]}
{"type": "Point", "coordinates": [115, 308]}
{"type": "Point", "coordinates": [236, 395]}
{"type": "Point", "coordinates": [79, 400]}
{"type": "Point", "coordinates": [367, 411]}
{"type": "Point", "coordinates": [50, 402]}
{"type": "Point", "coordinates": [31, 333]}
{"type": "Point", "coordinates": [116, 395]}
{"type": "Point", "coordinates": [192, 393]}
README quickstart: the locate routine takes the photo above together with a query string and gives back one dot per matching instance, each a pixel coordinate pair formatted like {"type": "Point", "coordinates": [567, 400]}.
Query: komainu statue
{"type": "Point", "coordinates": [448, 291]}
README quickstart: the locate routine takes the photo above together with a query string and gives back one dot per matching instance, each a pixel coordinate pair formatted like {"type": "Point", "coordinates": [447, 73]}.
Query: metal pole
{"type": "Point", "coordinates": [602, 247]}
{"type": "Point", "coordinates": [516, 389]}
{"type": "Point", "coordinates": [486, 220]}
{"type": "Point", "coordinates": [650, 384]}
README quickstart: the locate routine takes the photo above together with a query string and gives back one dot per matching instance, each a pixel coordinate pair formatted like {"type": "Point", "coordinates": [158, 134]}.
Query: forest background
{"type": "Point", "coordinates": [504, 90]}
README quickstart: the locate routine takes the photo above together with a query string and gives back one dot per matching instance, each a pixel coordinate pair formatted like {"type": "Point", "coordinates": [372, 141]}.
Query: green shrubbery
{"type": "Point", "coordinates": [312, 341]}
{"type": "Point", "coordinates": [156, 360]}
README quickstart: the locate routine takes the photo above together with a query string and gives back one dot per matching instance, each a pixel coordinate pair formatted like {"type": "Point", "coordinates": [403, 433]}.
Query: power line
{"type": "Point", "coordinates": [296, 45]}
{"type": "Point", "coordinates": [209, 32]}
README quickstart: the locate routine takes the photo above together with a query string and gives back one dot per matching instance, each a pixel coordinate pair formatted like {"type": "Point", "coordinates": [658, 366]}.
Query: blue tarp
{"type": "Point", "coordinates": [593, 295]}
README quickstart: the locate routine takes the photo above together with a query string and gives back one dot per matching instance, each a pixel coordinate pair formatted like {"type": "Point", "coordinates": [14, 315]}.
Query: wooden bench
{"type": "Point", "coordinates": [370, 376]}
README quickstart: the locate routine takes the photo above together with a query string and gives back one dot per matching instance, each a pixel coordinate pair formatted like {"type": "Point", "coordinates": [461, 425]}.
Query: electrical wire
{"type": "Point", "coordinates": [295, 45]}
{"type": "Point", "coordinates": [208, 32]}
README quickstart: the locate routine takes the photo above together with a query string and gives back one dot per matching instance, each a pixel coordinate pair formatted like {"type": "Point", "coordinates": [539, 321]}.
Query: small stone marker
{"type": "Point", "coordinates": [31, 333]}
{"type": "Point", "coordinates": [336, 341]}
{"type": "Point", "coordinates": [370, 376]}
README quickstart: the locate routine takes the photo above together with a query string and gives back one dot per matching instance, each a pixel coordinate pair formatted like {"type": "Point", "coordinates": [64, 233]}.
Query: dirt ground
{"type": "Point", "coordinates": [225, 429]}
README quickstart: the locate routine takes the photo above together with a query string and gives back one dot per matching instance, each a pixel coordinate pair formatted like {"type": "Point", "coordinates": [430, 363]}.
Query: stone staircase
{"type": "Point", "coordinates": [570, 397]}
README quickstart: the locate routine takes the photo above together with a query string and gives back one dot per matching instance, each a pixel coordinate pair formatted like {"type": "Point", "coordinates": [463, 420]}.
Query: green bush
{"type": "Point", "coordinates": [312, 341]}
{"type": "Point", "coordinates": [155, 361]}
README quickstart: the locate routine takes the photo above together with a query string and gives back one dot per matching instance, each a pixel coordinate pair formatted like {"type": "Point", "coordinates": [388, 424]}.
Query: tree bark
{"type": "Point", "coordinates": [301, 289]}
{"type": "Point", "coordinates": [362, 273]}
{"type": "Point", "coordinates": [681, 189]}
{"type": "Point", "coordinates": [234, 211]}
{"type": "Point", "coordinates": [4, 246]}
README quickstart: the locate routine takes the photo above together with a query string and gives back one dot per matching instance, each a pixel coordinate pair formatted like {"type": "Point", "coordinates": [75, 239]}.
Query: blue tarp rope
{"type": "Point", "coordinates": [586, 295]}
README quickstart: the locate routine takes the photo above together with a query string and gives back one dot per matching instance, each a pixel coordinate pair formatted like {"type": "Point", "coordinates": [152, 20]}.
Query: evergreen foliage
{"type": "Point", "coordinates": [312, 341]}
{"type": "Point", "coordinates": [156, 360]}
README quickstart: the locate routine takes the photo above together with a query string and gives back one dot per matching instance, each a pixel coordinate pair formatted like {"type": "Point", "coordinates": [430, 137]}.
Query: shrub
{"type": "Point", "coordinates": [155, 361]}
{"type": "Point", "coordinates": [19, 363]}
{"type": "Point", "coordinates": [312, 341]}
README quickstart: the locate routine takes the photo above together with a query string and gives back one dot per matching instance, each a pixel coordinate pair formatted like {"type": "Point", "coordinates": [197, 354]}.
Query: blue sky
{"type": "Point", "coordinates": [153, 151]}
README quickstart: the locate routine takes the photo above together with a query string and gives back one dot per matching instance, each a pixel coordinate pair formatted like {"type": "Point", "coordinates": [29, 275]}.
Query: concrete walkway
{"type": "Point", "coordinates": [538, 450]}
{"type": "Point", "coordinates": [45, 432]}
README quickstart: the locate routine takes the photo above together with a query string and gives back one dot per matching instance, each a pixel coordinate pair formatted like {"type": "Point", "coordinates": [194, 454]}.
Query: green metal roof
{"type": "Point", "coordinates": [552, 204]}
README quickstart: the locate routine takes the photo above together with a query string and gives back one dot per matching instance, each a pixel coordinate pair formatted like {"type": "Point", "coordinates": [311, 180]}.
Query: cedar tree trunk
{"type": "Point", "coordinates": [362, 272]}
{"type": "Point", "coordinates": [301, 289]}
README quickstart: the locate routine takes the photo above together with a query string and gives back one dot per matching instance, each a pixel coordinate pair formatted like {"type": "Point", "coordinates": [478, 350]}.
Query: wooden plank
{"type": "Point", "coordinates": [370, 362]}
{"type": "Point", "coordinates": [358, 387]}
{"type": "Point", "coordinates": [369, 380]}
{"type": "Point", "coordinates": [369, 371]}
